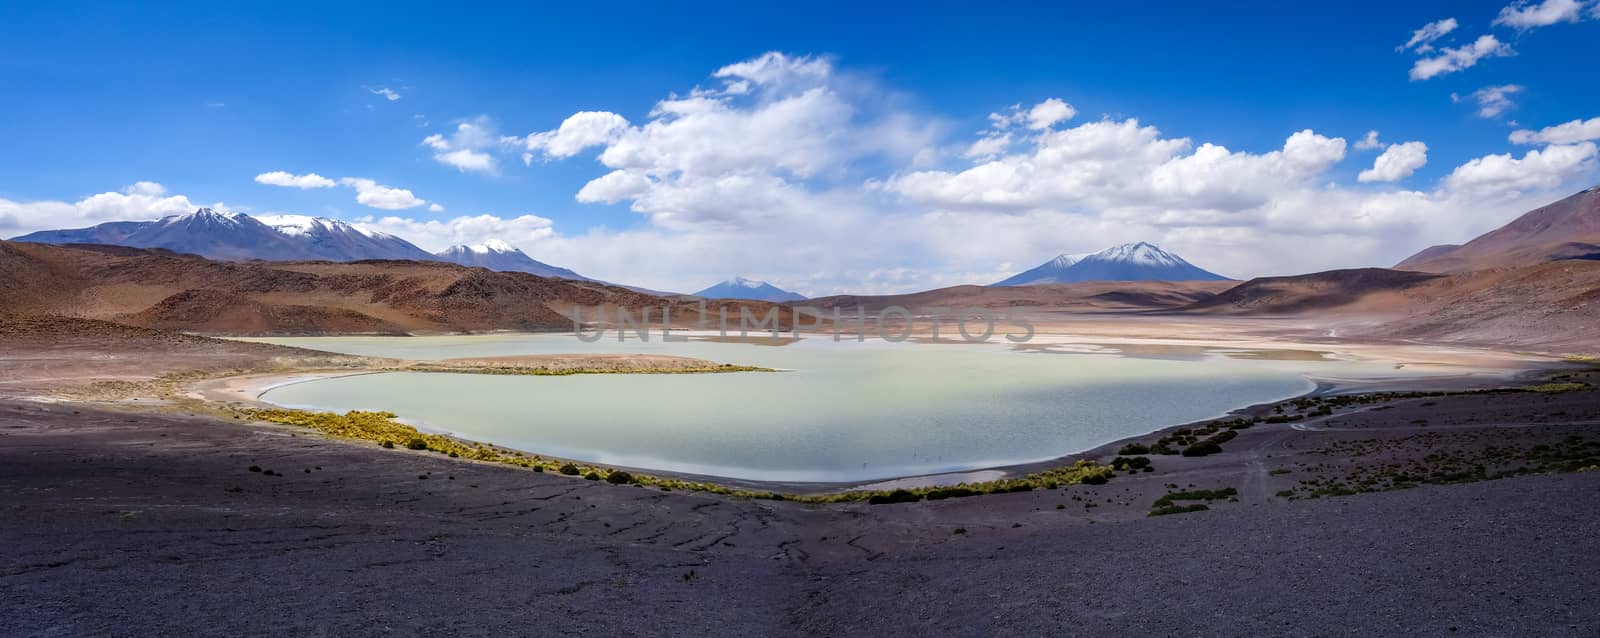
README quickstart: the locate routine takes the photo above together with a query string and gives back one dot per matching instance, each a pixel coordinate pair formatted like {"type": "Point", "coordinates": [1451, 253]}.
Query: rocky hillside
{"type": "Point", "coordinates": [169, 291]}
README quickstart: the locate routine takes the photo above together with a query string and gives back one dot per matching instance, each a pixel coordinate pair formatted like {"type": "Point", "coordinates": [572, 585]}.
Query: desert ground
{"type": "Point", "coordinates": [134, 508]}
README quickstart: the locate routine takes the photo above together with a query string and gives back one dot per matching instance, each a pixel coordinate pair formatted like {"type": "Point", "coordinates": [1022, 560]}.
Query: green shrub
{"type": "Point", "coordinates": [1202, 448]}
{"type": "Point", "coordinates": [387, 445]}
{"type": "Point", "coordinates": [592, 476]}
{"type": "Point", "coordinates": [619, 477]}
{"type": "Point", "coordinates": [1178, 509]}
{"type": "Point", "coordinates": [897, 496]}
{"type": "Point", "coordinates": [1133, 449]}
{"type": "Point", "coordinates": [417, 443]}
{"type": "Point", "coordinates": [1130, 462]}
{"type": "Point", "coordinates": [569, 469]}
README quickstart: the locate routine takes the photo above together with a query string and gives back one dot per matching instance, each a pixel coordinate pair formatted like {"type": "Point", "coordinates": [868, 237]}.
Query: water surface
{"type": "Point", "coordinates": [839, 412]}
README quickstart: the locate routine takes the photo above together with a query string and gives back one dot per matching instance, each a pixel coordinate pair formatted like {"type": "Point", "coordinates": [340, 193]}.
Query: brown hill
{"type": "Point", "coordinates": [1090, 296]}
{"type": "Point", "coordinates": [1568, 229]}
{"type": "Point", "coordinates": [1314, 292]}
{"type": "Point", "coordinates": [1549, 306]}
{"type": "Point", "coordinates": [169, 291]}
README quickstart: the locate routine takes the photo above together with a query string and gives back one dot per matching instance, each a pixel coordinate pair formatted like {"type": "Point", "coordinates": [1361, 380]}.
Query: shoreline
{"type": "Point", "coordinates": [249, 389]}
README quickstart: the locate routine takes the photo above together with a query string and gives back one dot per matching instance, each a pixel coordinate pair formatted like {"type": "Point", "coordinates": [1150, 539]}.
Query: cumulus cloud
{"type": "Point", "coordinates": [770, 140]}
{"type": "Point", "coordinates": [371, 193]}
{"type": "Point", "coordinates": [792, 169]}
{"type": "Point", "coordinates": [1568, 133]}
{"type": "Point", "coordinates": [1507, 176]}
{"type": "Point", "coordinates": [287, 179]}
{"type": "Point", "coordinates": [1124, 163]}
{"type": "Point", "coordinates": [1422, 39]}
{"type": "Point", "coordinates": [1528, 15]}
{"type": "Point", "coordinates": [1369, 142]}
{"type": "Point", "coordinates": [582, 130]}
{"type": "Point", "coordinates": [436, 235]}
{"type": "Point", "coordinates": [1450, 60]}
{"type": "Point", "coordinates": [466, 148]}
{"type": "Point", "coordinates": [1047, 113]}
{"type": "Point", "coordinates": [140, 201]}
{"type": "Point", "coordinates": [1493, 100]}
{"type": "Point", "coordinates": [1397, 162]}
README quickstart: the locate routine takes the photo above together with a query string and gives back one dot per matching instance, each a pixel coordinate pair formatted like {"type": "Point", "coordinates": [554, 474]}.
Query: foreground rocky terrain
{"type": "Point", "coordinates": [1464, 513]}
{"type": "Point", "coordinates": [137, 524]}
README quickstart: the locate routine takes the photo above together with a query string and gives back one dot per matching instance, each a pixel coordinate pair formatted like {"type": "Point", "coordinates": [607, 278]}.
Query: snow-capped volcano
{"type": "Point", "coordinates": [498, 255]}
{"type": "Point", "coordinates": [206, 231]}
{"type": "Point", "coordinates": [741, 288]}
{"type": "Point", "coordinates": [228, 235]}
{"type": "Point", "coordinates": [1128, 262]}
{"type": "Point", "coordinates": [335, 240]}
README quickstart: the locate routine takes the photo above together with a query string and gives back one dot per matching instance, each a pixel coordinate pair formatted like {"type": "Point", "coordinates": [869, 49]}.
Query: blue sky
{"type": "Point", "coordinates": [203, 98]}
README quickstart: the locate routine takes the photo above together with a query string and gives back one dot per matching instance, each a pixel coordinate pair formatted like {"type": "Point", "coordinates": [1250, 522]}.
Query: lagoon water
{"type": "Point", "coordinates": [844, 411]}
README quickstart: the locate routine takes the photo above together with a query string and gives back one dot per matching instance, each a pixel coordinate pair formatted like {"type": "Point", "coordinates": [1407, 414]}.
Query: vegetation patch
{"type": "Point", "coordinates": [1178, 509]}
{"type": "Point", "coordinates": [382, 428]}
{"type": "Point", "coordinates": [1171, 498]}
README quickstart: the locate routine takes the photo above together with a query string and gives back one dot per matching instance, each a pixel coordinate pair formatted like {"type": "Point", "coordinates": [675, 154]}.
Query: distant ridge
{"type": "Point", "coordinates": [741, 288]}
{"type": "Point", "coordinates": [498, 255]}
{"type": "Point", "coordinates": [1140, 261]}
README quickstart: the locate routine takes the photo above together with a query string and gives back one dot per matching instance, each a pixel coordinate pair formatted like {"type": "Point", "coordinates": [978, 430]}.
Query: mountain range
{"type": "Point", "coordinates": [741, 288]}
{"type": "Point", "coordinates": [236, 236]}
{"type": "Point", "coordinates": [1128, 262]}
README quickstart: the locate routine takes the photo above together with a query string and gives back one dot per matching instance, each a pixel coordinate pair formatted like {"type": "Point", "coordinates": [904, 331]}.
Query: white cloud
{"type": "Point", "coordinates": [1568, 133]}
{"type": "Point", "coordinates": [371, 193]}
{"type": "Point", "coordinates": [1047, 113]}
{"type": "Point", "coordinates": [1494, 100]}
{"type": "Point", "coordinates": [385, 92]}
{"type": "Point", "coordinates": [465, 149]}
{"type": "Point", "coordinates": [1422, 39]}
{"type": "Point", "coordinates": [287, 179]}
{"type": "Point", "coordinates": [140, 201]}
{"type": "Point", "coordinates": [791, 169]}
{"type": "Point", "coordinates": [1450, 60]}
{"type": "Point", "coordinates": [1397, 162]}
{"type": "Point", "coordinates": [435, 208]}
{"type": "Point", "coordinates": [1528, 15]}
{"type": "Point", "coordinates": [1369, 142]}
{"type": "Point", "coordinates": [584, 129]}
{"type": "Point", "coordinates": [1506, 176]}
{"type": "Point", "coordinates": [436, 235]}
{"type": "Point", "coordinates": [1105, 164]}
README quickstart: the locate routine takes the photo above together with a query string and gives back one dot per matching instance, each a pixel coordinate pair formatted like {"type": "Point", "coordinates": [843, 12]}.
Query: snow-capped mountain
{"type": "Point", "coordinates": [498, 255]}
{"type": "Point", "coordinates": [1128, 262]}
{"type": "Point", "coordinates": [225, 235]}
{"type": "Point", "coordinates": [741, 288]}
{"type": "Point", "coordinates": [1047, 273]}
{"type": "Point", "coordinates": [335, 240]}
{"type": "Point", "coordinates": [207, 232]}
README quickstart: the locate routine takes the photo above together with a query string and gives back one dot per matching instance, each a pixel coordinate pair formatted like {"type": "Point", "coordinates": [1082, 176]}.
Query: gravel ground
{"type": "Point", "coordinates": [136, 524]}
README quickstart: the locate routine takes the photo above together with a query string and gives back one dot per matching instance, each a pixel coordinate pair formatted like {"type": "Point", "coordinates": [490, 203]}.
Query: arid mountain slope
{"type": "Point", "coordinates": [1548, 307]}
{"type": "Point", "coordinates": [1363, 288]}
{"type": "Point", "coordinates": [164, 290]}
{"type": "Point", "coordinates": [1092, 296]}
{"type": "Point", "coordinates": [1568, 229]}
